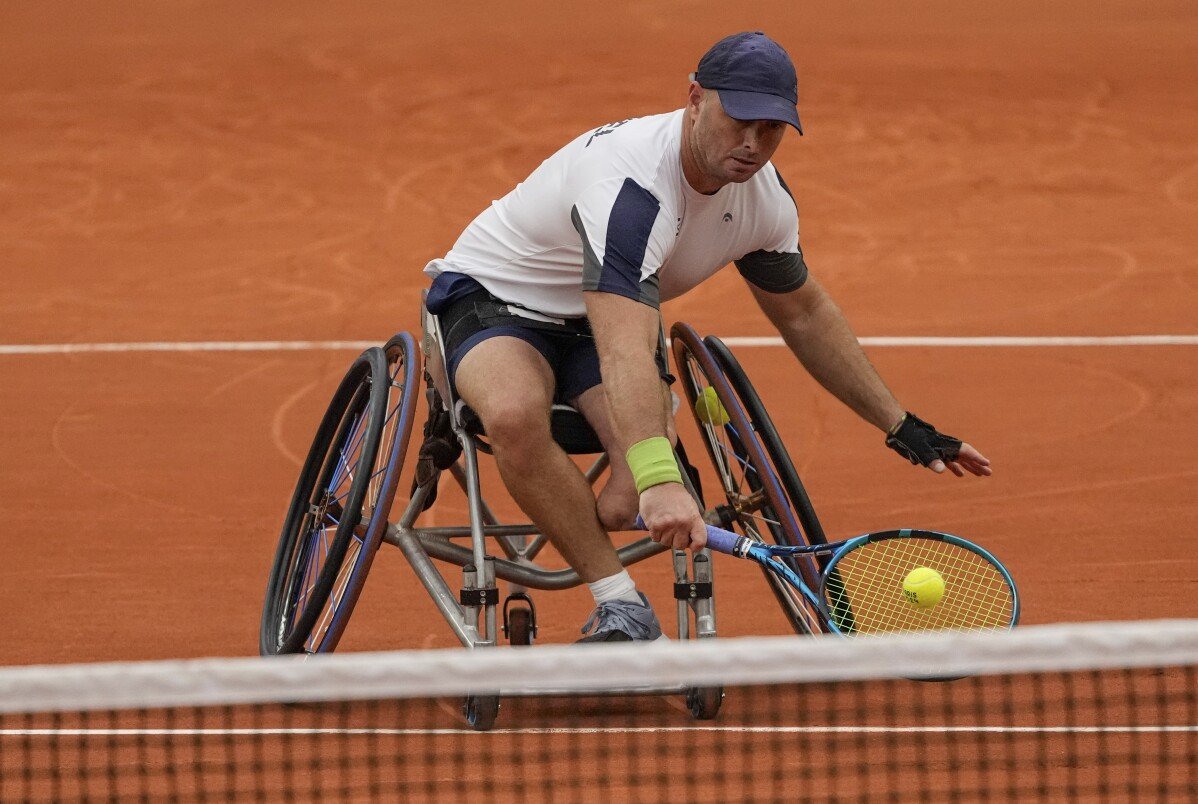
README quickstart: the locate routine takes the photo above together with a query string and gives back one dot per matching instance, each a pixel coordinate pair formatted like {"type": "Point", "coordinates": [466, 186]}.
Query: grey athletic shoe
{"type": "Point", "coordinates": [621, 621]}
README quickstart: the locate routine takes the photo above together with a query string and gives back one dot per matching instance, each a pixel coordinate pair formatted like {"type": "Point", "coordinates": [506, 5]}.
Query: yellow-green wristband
{"type": "Point", "coordinates": [652, 462]}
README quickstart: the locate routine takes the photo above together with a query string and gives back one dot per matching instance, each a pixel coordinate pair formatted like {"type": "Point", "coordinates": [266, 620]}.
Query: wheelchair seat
{"type": "Point", "coordinates": [570, 430]}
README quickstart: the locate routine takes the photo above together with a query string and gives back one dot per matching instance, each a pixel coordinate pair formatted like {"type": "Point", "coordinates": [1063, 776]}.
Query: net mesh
{"type": "Point", "coordinates": [1084, 712]}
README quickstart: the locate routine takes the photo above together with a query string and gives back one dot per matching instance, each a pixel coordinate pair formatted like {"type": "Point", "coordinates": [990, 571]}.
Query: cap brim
{"type": "Point", "coordinates": [742, 105]}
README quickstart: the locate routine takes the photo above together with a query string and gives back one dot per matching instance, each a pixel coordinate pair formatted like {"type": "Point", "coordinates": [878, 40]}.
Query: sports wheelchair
{"type": "Point", "coordinates": [339, 513]}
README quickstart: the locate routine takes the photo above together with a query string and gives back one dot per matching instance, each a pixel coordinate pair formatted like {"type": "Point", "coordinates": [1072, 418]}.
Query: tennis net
{"type": "Point", "coordinates": [1095, 711]}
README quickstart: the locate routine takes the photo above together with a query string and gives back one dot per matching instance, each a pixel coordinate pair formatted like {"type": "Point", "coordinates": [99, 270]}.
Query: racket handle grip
{"type": "Point", "coordinates": [722, 541]}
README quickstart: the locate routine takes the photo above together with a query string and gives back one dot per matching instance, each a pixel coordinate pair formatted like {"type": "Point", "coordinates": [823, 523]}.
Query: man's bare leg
{"type": "Point", "coordinates": [510, 386]}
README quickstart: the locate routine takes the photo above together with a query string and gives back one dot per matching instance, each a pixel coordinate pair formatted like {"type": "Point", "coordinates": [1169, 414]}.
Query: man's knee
{"type": "Point", "coordinates": [513, 422]}
{"type": "Point", "coordinates": [618, 506]}
{"type": "Point", "coordinates": [510, 386]}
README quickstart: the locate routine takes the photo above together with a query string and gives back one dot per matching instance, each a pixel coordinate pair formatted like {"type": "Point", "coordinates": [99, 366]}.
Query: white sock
{"type": "Point", "coordinates": [615, 587]}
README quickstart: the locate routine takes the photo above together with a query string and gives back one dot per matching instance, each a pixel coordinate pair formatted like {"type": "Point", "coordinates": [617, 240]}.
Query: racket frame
{"type": "Point", "coordinates": [767, 554]}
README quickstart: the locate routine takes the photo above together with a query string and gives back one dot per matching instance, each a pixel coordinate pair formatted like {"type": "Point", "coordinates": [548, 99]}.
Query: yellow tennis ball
{"type": "Point", "coordinates": [923, 587]}
{"type": "Point", "coordinates": [709, 409]}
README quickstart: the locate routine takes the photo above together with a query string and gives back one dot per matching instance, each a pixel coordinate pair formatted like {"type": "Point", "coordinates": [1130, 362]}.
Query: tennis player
{"type": "Point", "coordinates": [552, 293]}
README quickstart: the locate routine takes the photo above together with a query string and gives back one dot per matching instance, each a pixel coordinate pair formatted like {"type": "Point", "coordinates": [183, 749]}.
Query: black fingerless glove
{"type": "Point", "coordinates": [920, 443]}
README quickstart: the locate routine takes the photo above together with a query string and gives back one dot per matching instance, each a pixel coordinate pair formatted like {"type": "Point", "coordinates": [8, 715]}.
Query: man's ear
{"type": "Point", "coordinates": [694, 96]}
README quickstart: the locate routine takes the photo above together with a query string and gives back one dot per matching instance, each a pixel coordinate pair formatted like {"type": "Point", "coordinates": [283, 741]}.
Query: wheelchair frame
{"type": "Point", "coordinates": [339, 514]}
{"type": "Point", "coordinates": [473, 614]}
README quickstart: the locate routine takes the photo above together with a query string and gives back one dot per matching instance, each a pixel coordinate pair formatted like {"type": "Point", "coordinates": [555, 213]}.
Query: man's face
{"type": "Point", "coordinates": [729, 150]}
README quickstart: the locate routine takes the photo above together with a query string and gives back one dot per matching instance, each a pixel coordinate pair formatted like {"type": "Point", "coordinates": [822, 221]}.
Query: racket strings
{"type": "Point", "coordinates": [970, 600]}
{"type": "Point", "coordinates": [976, 595]}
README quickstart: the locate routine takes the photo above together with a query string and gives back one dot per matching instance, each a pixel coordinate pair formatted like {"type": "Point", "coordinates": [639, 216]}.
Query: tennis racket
{"type": "Point", "coordinates": [861, 585]}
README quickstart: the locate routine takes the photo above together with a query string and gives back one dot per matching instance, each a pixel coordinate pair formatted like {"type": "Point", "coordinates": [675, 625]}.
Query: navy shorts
{"type": "Point", "coordinates": [469, 315]}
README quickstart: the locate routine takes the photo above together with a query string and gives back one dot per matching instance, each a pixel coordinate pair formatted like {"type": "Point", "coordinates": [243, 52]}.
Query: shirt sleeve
{"type": "Point", "coordinates": [778, 267]}
{"type": "Point", "coordinates": [624, 240]}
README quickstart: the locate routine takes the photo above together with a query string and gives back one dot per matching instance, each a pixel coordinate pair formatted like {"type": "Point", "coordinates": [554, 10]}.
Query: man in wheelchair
{"type": "Point", "coordinates": [552, 294]}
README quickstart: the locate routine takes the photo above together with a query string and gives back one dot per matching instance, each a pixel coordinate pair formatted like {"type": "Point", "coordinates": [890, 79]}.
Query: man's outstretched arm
{"type": "Point", "coordinates": [819, 335]}
{"type": "Point", "coordinates": [626, 337]}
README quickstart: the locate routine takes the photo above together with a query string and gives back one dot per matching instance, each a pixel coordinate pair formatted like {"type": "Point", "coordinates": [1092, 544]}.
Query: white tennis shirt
{"type": "Point", "coordinates": [612, 211]}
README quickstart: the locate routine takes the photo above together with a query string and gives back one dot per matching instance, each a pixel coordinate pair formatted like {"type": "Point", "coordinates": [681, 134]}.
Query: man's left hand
{"type": "Point", "coordinates": [968, 460]}
{"type": "Point", "coordinates": [922, 444]}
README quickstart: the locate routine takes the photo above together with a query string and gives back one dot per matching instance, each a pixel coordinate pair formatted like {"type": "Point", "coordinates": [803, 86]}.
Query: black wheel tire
{"type": "Point", "coordinates": [519, 626]}
{"type": "Point", "coordinates": [704, 702]}
{"type": "Point", "coordinates": [371, 415]}
{"type": "Point", "coordinates": [771, 518]}
{"type": "Point", "coordinates": [480, 711]}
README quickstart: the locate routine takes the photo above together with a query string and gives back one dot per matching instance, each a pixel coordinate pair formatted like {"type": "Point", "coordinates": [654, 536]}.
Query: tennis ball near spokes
{"type": "Point", "coordinates": [923, 587]}
{"type": "Point", "coordinates": [710, 409]}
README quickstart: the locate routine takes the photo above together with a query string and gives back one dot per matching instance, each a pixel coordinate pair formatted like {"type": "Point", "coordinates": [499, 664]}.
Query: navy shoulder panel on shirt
{"type": "Point", "coordinates": [628, 228]}
{"type": "Point", "coordinates": [774, 271]}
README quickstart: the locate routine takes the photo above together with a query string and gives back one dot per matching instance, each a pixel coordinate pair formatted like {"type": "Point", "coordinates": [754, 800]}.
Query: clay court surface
{"type": "Point", "coordinates": [206, 172]}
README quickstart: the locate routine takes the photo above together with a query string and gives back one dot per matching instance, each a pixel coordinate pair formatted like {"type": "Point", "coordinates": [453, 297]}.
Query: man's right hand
{"type": "Point", "coordinates": [673, 518]}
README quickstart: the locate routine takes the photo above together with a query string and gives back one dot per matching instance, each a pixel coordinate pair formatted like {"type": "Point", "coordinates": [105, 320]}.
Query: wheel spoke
{"type": "Point", "coordinates": [375, 483]}
{"type": "Point", "coordinates": [311, 572]}
{"type": "Point", "coordinates": [357, 435]}
{"type": "Point", "coordinates": [335, 595]}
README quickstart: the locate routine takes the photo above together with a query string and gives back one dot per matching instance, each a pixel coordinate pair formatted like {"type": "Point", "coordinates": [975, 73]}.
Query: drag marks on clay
{"type": "Point", "coordinates": [1012, 507]}
{"type": "Point", "coordinates": [166, 150]}
{"type": "Point", "coordinates": [278, 420]}
{"type": "Point", "coordinates": [240, 377]}
{"type": "Point", "coordinates": [1182, 188]}
{"type": "Point", "coordinates": [1041, 286]}
{"type": "Point", "coordinates": [73, 421]}
{"type": "Point", "coordinates": [1040, 202]}
{"type": "Point", "coordinates": [1112, 399]}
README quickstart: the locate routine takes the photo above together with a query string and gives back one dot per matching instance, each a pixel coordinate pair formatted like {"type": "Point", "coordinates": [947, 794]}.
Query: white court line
{"type": "Point", "coordinates": [185, 346]}
{"type": "Point", "coordinates": [998, 340]}
{"type": "Point", "coordinates": [608, 730]}
{"type": "Point", "coordinates": [743, 342]}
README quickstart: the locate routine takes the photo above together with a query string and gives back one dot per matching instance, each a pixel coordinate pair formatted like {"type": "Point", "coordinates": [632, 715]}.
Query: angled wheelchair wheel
{"type": "Point", "coordinates": [756, 501]}
{"type": "Point", "coordinates": [780, 462]}
{"type": "Point", "coordinates": [339, 510]}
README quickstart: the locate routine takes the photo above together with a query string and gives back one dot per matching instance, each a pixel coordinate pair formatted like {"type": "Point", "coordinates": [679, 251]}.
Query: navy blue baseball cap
{"type": "Point", "coordinates": [754, 76]}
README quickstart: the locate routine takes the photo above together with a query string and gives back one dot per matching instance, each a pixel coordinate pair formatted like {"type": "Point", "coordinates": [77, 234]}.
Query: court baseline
{"type": "Point", "coordinates": [735, 341]}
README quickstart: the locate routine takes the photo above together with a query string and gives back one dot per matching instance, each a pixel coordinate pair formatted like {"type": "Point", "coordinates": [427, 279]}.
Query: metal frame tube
{"type": "Point", "coordinates": [478, 537]}
{"type": "Point", "coordinates": [704, 606]}
{"type": "Point", "coordinates": [682, 575]}
{"type": "Point", "coordinates": [531, 576]}
{"type": "Point", "coordinates": [430, 577]}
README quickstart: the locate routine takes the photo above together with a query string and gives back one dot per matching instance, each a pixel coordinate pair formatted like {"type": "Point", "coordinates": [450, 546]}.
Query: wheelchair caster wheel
{"type": "Point", "coordinates": [704, 702]}
{"type": "Point", "coordinates": [519, 619]}
{"type": "Point", "coordinates": [519, 626]}
{"type": "Point", "coordinates": [481, 711]}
